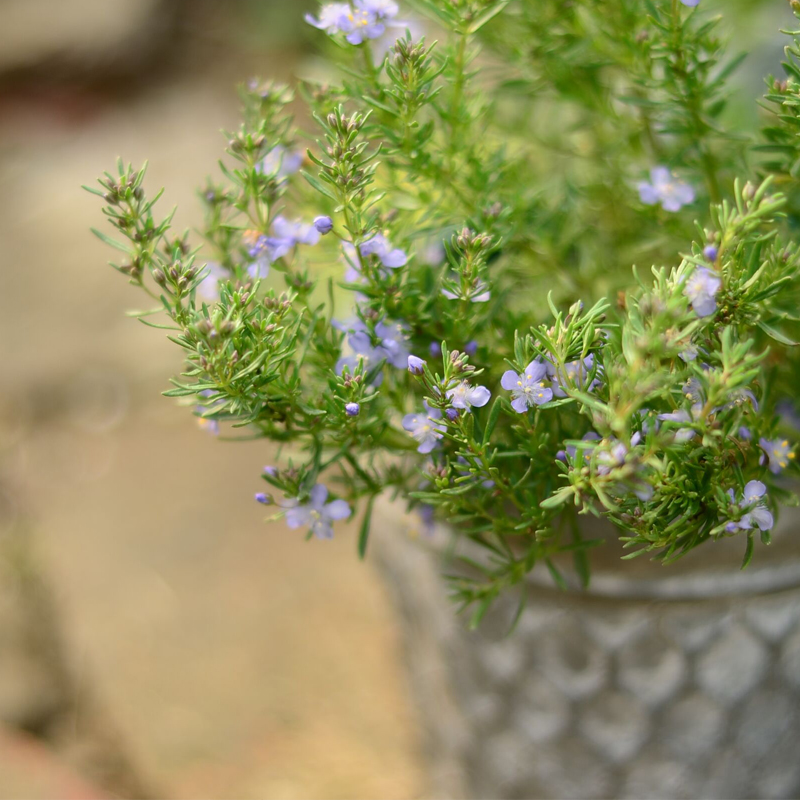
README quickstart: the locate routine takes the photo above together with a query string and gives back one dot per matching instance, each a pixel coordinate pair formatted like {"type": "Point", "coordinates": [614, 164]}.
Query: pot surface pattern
{"type": "Point", "coordinates": [597, 696]}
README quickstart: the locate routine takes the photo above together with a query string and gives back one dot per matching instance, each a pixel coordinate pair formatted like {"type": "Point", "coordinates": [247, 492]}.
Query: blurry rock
{"type": "Point", "coordinates": [82, 33]}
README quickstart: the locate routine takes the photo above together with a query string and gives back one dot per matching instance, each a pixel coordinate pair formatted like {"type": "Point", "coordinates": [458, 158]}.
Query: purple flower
{"type": "Point", "coordinates": [778, 451]}
{"type": "Point", "coordinates": [287, 235]}
{"type": "Point", "coordinates": [316, 514]}
{"type": "Point", "coordinates": [756, 510]}
{"type": "Point", "coordinates": [477, 293]}
{"type": "Point", "coordinates": [324, 225]}
{"type": "Point", "coordinates": [575, 373]}
{"type": "Point", "coordinates": [382, 9]}
{"type": "Point", "coordinates": [471, 347]}
{"type": "Point", "coordinates": [435, 349]}
{"type": "Point", "coordinates": [203, 422]}
{"type": "Point", "coordinates": [691, 3]}
{"type": "Point", "coordinates": [744, 433]}
{"type": "Point", "coordinates": [391, 346]}
{"type": "Point", "coordinates": [427, 518]}
{"type": "Point", "coordinates": [333, 17]}
{"type": "Point", "coordinates": [425, 428]}
{"type": "Point", "coordinates": [665, 188]}
{"type": "Point", "coordinates": [365, 25]}
{"type": "Point", "coordinates": [466, 396]}
{"type": "Point", "coordinates": [682, 416]}
{"type": "Point", "coordinates": [271, 471]}
{"type": "Point", "coordinates": [380, 246]}
{"type": "Point", "coordinates": [614, 456]}
{"type": "Point", "coordinates": [264, 499]}
{"type": "Point", "coordinates": [701, 289]}
{"type": "Point", "coordinates": [527, 389]}
{"type": "Point", "coordinates": [416, 366]}
{"type": "Point", "coordinates": [689, 354]}
{"type": "Point", "coordinates": [352, 409]}
{"type": "Point", "coordinates": [393, 338]}
{"type": "Point", "coordinates": [710, 252]}
{"type": "Point", "coordinates": [590, 436]}
{"type": "Point", "coordinates": [738, 397]}
{"type": "Point", "coordinates": [206, 424]}
{"type": "Point", "coordinates": [452, 414]}
{"type": "Point", "coordinates": [280, 162]}
{"type": "Point", "coordinates": [208, 288]}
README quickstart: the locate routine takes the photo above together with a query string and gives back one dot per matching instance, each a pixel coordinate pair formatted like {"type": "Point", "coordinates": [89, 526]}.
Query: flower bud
{"type": "Point", "coordinates": [263, 498]}
{"type": "Point", "coordinates": [352, 409]}
{"type": "Point", "coordinates": [416, 366]}
{"type": "Point", "coordinates": [324, 225]}
{"type": "Point", "coordinates": [710, 252]}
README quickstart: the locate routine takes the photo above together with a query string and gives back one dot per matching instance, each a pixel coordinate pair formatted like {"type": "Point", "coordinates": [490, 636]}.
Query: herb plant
{"type": "Point", "coordinates": [481, 191]}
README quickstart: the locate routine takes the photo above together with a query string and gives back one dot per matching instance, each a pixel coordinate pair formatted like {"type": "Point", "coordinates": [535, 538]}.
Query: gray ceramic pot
{"type": "Point", "coordinates": [673, 682]}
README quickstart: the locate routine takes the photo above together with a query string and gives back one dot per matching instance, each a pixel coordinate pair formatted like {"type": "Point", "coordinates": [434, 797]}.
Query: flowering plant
{"type": "Point", "coordinates": [480, 199]}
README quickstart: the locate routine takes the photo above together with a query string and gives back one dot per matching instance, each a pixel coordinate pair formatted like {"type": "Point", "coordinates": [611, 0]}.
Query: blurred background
{"type": "Point", "coordinates": [156, 638]}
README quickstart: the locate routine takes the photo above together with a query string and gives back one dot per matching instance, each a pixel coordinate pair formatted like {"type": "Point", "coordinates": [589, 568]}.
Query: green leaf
{"type": "Point", "coordinates": [363, 536]}
{"type": "Point", "coordinates": [494, 415]}
{"type": "Point", "coordinates": [109, 241]}
{"type": "Point", "coordinates": [775, 334]}
{"type": "Point", "coordinates": [319, 186]}
{"type": "Point", "coordinates": [748, 553]}
{"type": "Point", "coordinates": [487, 15]}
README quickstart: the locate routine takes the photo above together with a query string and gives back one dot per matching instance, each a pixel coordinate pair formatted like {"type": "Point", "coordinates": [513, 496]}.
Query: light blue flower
{"type": "Point", "coordinates": [466, 396]}
{"type": "Point", "coordinates": [333, 18]}
{"type": "Point", "coordinates": [691, 3]}
{"type": "Point", "coordinates": [682, 416]}
{"type": "Point", "coordinates": [208, 288]}
{"type": "Point", "coordinates": [380, 247]}
{"type": "Point", "coordinates": [425, 428]}
{"type": "Point", "coordinates": [757, 512]}
{"type": "Point", "coordinates": [363, 25]}
{"type": "Point", "coordinates": [701, 288]}
{"type": "Point", "coordinates": [382, 9]}
{"type": "Point", "coordinates": [778, 451]}
{"type": "Point", "coordinates": [665, 188]}
{"type": "Point", "coordinates": [280, 163]}
{"type": "Point", "coordinates": [528, 388]}
{"type": "Point", "coordinates": [317, 514]}
{"type": "Point", "coordinates": [286, 235]}
{"type": "Point", "coordinates": [352, 409]}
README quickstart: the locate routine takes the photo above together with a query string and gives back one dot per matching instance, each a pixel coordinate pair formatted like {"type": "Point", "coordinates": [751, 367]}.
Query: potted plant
{"type": "Point", "coordinates": [431, 298]}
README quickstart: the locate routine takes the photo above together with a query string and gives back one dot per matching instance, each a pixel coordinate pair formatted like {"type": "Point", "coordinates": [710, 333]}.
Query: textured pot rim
{"type": "Point", "coordinates": [698, 576]}
{"type": "Point", "coordinates": [705, 584]}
